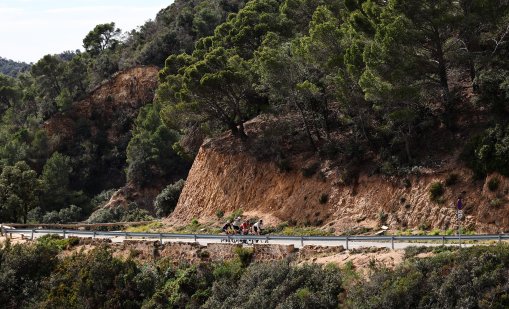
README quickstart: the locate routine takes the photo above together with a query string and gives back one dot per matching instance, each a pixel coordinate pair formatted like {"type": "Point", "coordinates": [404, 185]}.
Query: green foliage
{"type": "Point", "coordinates": [19, 192]}
{"type": "Point", "coordinates": [382, 217]}
{"type": "Point", "coordinates": [436, 190]}
{"type": "Point", "coordinates": [22, 268]}
{"type": "Point", "coordinates": [167, 200]}
{"type": "Point", "coordinates": [150, 156]}
{"type": "Point", "coordinates": [497, 202]}
{"type": "Point", "coordinates": [419, 283]}
{"type": "Point", "coordinates": [64, 215]}
{"type": "Point", "coordinates": [131, 213]}
{"type": "Point", "coordinates": [245, 255]}
{"type": "Point", "coordinates": [102, 37]}
{"type": "Point", "coordinates": [493, 184]}
{"type": "Point", "coordinates": [278, 285]}
{"type": "Point", "coordinates": [324, 198]}
{"type": "Point", "coordinates": [310, 169]}
{"type": "Point", "coordinates": [451, 180]}
{"type": "Point", "coordinates": [236, 213]}
{"type": "Point", "coordinates": [219, 213]}
{"type": "Point", "coordinates": [55, 241]}
{"type": "Point", "coordinates": [12, 68]}
{"type": "Point", "coordinates": [488, 152]}
{"type": "Point", "coordinates": [96, 279]}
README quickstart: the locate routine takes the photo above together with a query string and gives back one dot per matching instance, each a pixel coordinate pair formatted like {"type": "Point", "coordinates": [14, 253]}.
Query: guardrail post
{"type": "Point", "coordinates": [267, 239]}
{"type": "Point", "coordinates": [93, 235]}
{"type": "Point", "coordinates": [64, 233]}
{"type": "Point", "coordinates": [347, 243]}
{"type": "Point", "coordinates": [443, 240]}
{"type": "Point", "coordinates": [32, 235]}
{"type": "Point", "coordinates": [125, 236]}
{"type": "Point", "coordinates": [302, 241]}
{"type": "Point", "coordinates": [194, 237]}
{"type": "Point", "coordinates": [392, 242]}
{"type": "Point", "coordinates": [161, 238]}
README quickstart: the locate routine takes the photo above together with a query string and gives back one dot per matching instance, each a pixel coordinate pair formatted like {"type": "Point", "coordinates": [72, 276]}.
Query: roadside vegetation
{"type": "Point", "coordinates": [37, 275]}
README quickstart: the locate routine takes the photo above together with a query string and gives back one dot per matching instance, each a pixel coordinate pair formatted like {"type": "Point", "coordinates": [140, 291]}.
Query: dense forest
{"type": "Point", "coordinates": [12, 68]}
{"type": "Point", "coordinates": [386, 84]}
{"type": "Point", "coordinates": [37, 275]}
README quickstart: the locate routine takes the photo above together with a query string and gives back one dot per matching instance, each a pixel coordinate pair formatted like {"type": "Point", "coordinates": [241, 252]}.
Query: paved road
{"type": "Point", "coordinates": [353, 241]}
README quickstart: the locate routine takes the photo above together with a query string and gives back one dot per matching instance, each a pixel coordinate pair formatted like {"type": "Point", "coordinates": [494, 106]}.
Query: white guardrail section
{"type": "Point", "coordinates": [275, 239]}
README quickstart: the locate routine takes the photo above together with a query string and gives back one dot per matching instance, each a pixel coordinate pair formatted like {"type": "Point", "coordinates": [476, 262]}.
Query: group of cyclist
{"type": "Point", "coordinates": [245, 228]}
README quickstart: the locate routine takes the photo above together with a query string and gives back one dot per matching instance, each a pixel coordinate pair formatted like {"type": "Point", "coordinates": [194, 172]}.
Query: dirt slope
{"type": "Point", "coordinates": [220, 180]}
{"type": "Point", "coordinates": [120, 96]}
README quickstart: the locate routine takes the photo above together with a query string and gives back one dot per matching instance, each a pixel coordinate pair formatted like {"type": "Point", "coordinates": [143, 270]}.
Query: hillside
{"type": "Point", "coordinates": [12, 68]}
{"type": "Point", "coordinates": [317, 194]}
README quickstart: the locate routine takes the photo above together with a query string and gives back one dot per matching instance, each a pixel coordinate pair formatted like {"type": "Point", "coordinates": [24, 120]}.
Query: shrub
{"type": "Point", "coordinates": [324, 198]}
{"type": "Point", "coordinates": [310, 169]}
{"type": "Point", "coordinates": [493, 184]}
{"type": "Point", "coordinates": [382, 217]}
{"type": "Point", "coordinates": [245, 255]}
{"type": "Point", "coordinates": [119, 214]}
{"type": "Point", "coordinates": [451, 180]}
{"type": "Point", "coordinates": [279, 285]}
{"type": "Point", "coordinates": [167, 200]}
{"type": "Point", "coordinates": [51, 217]}
{"type": "Point", "coordinates": [407, 183]}
{"type": "Point", "coordinates": [219, 213]}
{"type": "Point", "coordinates": [71, 214]}
{"type": "Point", "coordinates": [436, 190]}
{"type": "Point", "coordinates": [497, 202]}
{"type": "Point", "coordinates": [235, 214]}
{"type": "Point", "coordinates": [488, 152]}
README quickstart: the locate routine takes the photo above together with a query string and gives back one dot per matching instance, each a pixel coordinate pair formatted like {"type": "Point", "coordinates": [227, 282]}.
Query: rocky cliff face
{"type": "Point", "coordinates": [220, 180]}
{"type": "Point", "coordinates": [114, 104]}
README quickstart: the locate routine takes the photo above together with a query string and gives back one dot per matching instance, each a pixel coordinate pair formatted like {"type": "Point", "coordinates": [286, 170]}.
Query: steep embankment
{"type": "Point", "coordinates": [120, 96]}
{"type": "Point", "coordinates": [221, 180]}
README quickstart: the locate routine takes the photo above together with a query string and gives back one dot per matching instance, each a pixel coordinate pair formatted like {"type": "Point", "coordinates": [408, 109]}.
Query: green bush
{"type": "Point", "coordinates": [489, 151]}
{"type": "Point", "coordinates": [421, 282]}
{"type": "Point", "coordinates": [131, 213]}
{"type": "Point", "coordinates": [324, 198]}
{"type": "Point", "coordinates": [436, 191]}
{"type": "Point", "coordinates": [245, 255]}
{"type": "Point", "coordinates": [493, 184]}
{"type": "Point", "coordinates": [497, 202]}
{"type": "Point", "coordinates": [310, 169]}
{"type": "Point", "coordinates": [451, 180]}
{"type": "Point", "coordinates": [382, 217]}
{"type": "Point", "coordinates": [279, 285]}
{"type": "Point", "coordinates": [219, 213]}
{"type": "Point", "coordinates": [167, 200]}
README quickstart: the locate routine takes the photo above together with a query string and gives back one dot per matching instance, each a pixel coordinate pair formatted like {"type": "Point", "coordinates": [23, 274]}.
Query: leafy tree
{"type": "Point", "coordinates": [48, 75]}
{"type": "Point", "coordinates": [150, 156]}
{"type": "Point", "coordinates": [55, 182]}
{"type": "Point", "coordinates": [19, 192]}
{"type": "Point", "coordinates": [9, 92]}
{"type": "Point", "coordinates": [167, 200]}
{"type": "Point", "coordinates": [102, 37]}
{"type": "Point", "coordinates": [22, 269]}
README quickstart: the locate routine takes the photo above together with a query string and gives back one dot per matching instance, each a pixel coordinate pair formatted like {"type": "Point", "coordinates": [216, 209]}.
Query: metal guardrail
{"type": "Point", "coordinates": [336, 240]}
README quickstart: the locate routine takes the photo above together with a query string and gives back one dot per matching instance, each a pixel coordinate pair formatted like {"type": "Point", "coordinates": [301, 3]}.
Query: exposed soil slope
{"type": "Point", "coordinates": [222, 180]}
{"type": "Point", "coordinates": [120, 96]}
